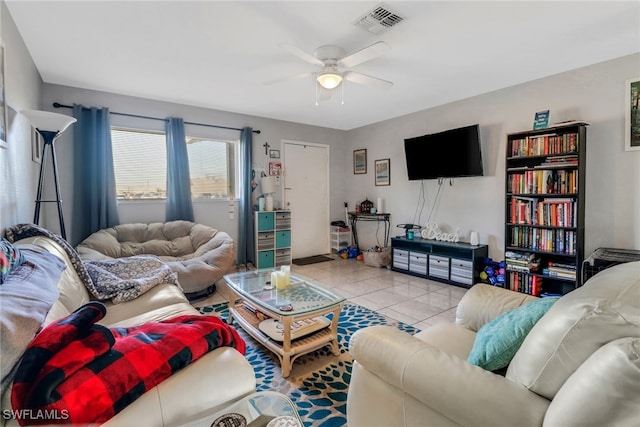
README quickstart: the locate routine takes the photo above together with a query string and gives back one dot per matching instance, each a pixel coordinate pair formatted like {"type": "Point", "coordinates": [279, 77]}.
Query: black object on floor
{"type": "Point", "coordinates": [311, 260]}
{"type": "Point", "coordinates": [192, 296]}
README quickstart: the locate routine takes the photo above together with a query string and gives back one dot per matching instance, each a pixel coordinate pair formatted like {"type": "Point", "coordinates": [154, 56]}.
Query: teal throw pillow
{"type": "Point", "coordinates": [498, 341]}
{"type": "Point", "coordinates": [10, 259]}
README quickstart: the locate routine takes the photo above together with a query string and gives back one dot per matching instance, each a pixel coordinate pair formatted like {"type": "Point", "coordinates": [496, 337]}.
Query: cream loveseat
{"type": "Point", "coordinates": [217, 379]}
{"type": "Point", "coordinates": [578, 366]}
{"type": "Point", "coordinates": [200, 255]}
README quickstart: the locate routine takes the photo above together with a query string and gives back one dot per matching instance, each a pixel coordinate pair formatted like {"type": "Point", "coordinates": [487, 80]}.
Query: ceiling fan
{"type": "Point", "coordinates": [335, 65]}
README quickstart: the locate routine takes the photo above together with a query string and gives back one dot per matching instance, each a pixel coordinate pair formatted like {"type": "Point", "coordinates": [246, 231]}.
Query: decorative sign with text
{"type": "Point", "coordinates": [432, 231]}
{"type": "Point", "coordinates": [541, 121]}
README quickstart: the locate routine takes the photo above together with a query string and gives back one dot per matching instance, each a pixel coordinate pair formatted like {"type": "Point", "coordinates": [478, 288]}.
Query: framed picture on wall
{"type": "Point", "coordinates": [360, 161]}
{"type": "Point", "coordinates": [275, 168]}
{"type": "Point", "coordinates": [632, 115]}
{"type": "Point", "coordinates": [383, 172]}
{"type": "Point", "coordinates": [3, 100]}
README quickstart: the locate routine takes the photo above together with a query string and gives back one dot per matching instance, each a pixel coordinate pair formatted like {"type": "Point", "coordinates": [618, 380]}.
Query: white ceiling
{"type": "Point", "coordinates": [217, 54]}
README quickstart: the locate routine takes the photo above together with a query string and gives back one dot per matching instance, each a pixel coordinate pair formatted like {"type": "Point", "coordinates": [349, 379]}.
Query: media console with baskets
{"type": "Point", "coordinates": [455, 263]}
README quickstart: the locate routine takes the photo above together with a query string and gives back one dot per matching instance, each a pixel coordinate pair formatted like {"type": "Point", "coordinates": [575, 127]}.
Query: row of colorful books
{"type": "Point", "coordinates": [541, 145]}
{"type": "Point", "coordinates": [546, 181]}
{"type": "Point", "coordinates": [558, 241]}
{"type": "Point", "coordinates": [525, 283]}
{"type": "Point", "coordinates": [546, 212]}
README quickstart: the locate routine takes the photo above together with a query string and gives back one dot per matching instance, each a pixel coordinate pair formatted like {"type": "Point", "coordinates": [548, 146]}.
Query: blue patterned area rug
{"type": "Point", "coordinates": [319, 381]}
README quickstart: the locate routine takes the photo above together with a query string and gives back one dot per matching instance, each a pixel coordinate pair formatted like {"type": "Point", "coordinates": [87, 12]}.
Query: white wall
{"type": "Point", "coordinates": [594, 94]}
{"type": "Point", "coordinates": [213, 213]}
{"type": "Point", "coordinates": [18, 174]}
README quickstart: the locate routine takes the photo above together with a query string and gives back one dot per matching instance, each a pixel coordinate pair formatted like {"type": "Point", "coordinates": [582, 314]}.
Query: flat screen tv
{"type": "Point", "coordinates": [450, 154]}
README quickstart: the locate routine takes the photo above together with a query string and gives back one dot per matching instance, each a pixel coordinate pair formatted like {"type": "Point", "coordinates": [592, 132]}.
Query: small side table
{"type": "Point", "coordinates": [255, 410]}
{"type": "Point", "coordinates": [354, 217]}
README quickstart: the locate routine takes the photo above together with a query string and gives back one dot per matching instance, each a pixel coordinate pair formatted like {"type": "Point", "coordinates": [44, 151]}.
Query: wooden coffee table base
{"type": "Point", "coordinates": [287, 351]}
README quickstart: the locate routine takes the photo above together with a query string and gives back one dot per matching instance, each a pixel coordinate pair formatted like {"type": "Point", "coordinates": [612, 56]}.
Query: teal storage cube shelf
{"type": "Point", "coordinates": [283, 239]}
{"type": "Point", "coordinates": [266, 259]}
{"type": "Point", "coordinates": [273, 238]}
{"type": "Point", "coordinates": [265, 221]}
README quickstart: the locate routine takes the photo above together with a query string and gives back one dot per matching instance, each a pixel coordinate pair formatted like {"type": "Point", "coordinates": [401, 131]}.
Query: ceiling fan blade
{"type": "Point", "coordinates": [363, 79]}
{"type": "Point", "coordinates": [284, 79]}
{"type": "Point", "coordinates": [363, 55]}
{"type": "Point", "coordinates": [301, 54]}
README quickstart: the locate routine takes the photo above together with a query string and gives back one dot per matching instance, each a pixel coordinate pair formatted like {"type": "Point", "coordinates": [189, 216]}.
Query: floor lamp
{"type": "Point", "coordinates": [50, 126]}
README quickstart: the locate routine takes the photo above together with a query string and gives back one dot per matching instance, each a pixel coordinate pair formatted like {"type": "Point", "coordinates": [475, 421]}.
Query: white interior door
{"type": "Point", "coordinates": [306, 185]}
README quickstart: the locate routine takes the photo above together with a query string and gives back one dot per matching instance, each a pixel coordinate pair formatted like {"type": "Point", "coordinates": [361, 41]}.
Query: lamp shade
{"type": "Point", "coordinates": [48, 121]}
{"type": "Point", "coordinates": [329, 80]}
{"type": "Point", "coordinates": [268, 184]}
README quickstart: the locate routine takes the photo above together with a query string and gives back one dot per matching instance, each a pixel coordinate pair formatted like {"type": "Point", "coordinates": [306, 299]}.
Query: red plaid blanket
{"type": "Point", "coordinates": [76, 371]}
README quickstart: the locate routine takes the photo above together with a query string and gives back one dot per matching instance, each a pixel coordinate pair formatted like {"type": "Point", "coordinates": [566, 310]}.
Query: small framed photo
{"type": "Point", "coordinates": [36, 146]}
{"type": "Point", "coordinates": [632, 115]}
{"type": "Point", "coordinates": [275, 168]}
{"type": "Point", "coordinates": [360, 161]}
{"type": "Point", "coordinates": [383, 172]}
{"type": "Point", "coordinates": [274, 154]}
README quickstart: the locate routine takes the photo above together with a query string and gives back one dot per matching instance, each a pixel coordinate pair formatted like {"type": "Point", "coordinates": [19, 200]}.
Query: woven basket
{"type": "Point", "coordinates": [378, 259]}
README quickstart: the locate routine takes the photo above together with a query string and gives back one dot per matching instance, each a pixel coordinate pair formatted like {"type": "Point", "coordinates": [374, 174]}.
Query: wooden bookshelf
{"type": "Point", "coordinates": [544, 209]}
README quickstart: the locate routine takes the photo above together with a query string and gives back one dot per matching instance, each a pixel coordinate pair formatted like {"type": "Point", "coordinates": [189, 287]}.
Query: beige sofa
{"type": "Point", "coordinates": [579, 365]}
{"type": "Point", "coordinates": [210, 383]}
{"type": "Point", "coordinates": [200, 255]}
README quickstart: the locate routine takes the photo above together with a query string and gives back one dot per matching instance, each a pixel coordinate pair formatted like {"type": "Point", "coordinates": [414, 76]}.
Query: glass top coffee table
{"type": "Point", "coordinates": [261, 409]}
{"type": "Point", "coordinates": [290, 322]}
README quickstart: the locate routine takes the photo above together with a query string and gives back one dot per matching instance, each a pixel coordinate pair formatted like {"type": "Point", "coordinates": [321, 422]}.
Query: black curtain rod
{"type": "Point", "coordinates": [58, 105]}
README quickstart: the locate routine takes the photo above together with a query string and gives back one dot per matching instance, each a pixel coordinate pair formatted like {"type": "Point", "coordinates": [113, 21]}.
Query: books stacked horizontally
{"type": "Point", "coordinates": [560, 270]}
{"type": "Point", "coordinates": [523, 262]}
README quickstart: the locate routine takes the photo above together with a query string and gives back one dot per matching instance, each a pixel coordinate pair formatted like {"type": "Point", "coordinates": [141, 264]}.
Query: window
{"type": "Point", "coordinates": [140, 166]}
{"type": "Point", "coordinates": [211, 165]}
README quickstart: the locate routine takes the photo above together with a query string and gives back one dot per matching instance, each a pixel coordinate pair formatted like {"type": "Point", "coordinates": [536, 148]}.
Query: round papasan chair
{"type": "Point", "coordinates": [200, 255]}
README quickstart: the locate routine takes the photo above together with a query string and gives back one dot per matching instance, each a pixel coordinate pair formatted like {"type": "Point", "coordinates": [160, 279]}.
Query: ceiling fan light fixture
{"type": "Point", "coordinates": [329, 79]}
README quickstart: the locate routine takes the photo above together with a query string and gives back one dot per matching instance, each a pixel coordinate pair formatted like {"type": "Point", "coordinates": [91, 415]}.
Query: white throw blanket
{"type": "Point", "coordinates": [124, 279]}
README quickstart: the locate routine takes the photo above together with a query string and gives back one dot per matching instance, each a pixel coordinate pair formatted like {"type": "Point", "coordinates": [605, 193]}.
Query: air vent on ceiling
{"type": "Point", "coordinates": [378, 20]}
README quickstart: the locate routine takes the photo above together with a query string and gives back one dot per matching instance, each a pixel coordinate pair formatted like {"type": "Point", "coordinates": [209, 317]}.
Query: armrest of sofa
{"type": "Point", "coordinates": [461, 392]}
{"type": "Point", "coordinates": [483, 303]}
{"type": "Point", "coordinates": [88, 254]}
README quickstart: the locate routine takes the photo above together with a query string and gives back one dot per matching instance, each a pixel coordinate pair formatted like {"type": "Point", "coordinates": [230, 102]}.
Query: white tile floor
{"type": "Point", "coordinates": [412, 300]}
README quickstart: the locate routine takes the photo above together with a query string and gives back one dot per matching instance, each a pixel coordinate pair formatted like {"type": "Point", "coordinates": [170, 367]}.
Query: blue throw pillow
{"type": "Point", "coordinates": [498, 341]}
{"type": "Point", "coordinates": [10, 259]}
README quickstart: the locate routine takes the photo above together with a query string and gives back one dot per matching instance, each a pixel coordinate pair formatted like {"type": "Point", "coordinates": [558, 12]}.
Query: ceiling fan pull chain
{"type": "Point", "coordinates": [317, 93]}
{"type": "Point", "coordinates": [342, 92]}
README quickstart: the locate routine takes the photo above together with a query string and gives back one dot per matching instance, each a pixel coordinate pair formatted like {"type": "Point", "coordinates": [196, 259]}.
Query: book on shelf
{"type": "Point", "coordinates": [561, 265]}
{"type": "Point", "coordinates": [519, 255]}
{"type": "Point", "coordinates": [560, 275]}
{"type": "Point", "coordinates": [257, 313]}
{"type": "Point", "coordinates": [525, 283]}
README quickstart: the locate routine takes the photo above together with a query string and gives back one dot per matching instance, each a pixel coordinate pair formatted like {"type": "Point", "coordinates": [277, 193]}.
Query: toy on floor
{"type": "Point", "coordinates": [493, 272]}
{"type": "Point", "coordinates": [348, 252]}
